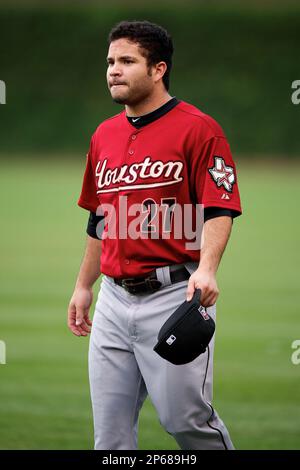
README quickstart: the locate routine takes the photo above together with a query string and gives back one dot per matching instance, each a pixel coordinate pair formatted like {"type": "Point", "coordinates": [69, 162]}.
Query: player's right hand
{"type": "Point", "coordinates": [78, 311]}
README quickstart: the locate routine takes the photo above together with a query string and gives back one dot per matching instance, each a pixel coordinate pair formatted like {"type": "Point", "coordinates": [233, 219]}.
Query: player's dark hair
{"type": "Point", "coordinates": [154, 40]}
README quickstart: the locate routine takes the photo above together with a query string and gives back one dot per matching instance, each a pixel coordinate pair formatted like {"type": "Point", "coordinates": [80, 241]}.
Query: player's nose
{"type": "Point", "coordinates": [115, 70]}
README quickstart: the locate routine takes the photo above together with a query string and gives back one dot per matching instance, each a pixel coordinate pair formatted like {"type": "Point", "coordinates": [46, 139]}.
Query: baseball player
{"type": "Point", "coordinates": [148, 170]}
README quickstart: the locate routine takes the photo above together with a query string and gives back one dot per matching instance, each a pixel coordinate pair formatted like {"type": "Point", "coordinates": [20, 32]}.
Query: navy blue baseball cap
{"type": "Point", "coordinates": [186, 333]}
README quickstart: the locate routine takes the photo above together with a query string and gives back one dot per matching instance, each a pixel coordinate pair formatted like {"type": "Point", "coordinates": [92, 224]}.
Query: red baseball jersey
{"type": "Point", "coordinates": [147, 183]}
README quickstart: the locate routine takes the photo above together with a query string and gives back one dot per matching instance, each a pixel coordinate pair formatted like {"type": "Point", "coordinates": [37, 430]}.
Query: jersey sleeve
{"type": "Point", "coordinates": [93, 228]}
{"type": "Point", "coordinates": [88, 198]}
{"type": "Point", "coordinates": [214, 177]}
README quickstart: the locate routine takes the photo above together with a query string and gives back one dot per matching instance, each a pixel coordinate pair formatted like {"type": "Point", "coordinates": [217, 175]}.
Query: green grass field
{"type": "Point", "coordinates": [44, 395]}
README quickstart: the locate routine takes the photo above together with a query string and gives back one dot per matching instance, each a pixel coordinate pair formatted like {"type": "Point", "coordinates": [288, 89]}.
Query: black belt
{"type": "Point", "coordinates": [150, 283]}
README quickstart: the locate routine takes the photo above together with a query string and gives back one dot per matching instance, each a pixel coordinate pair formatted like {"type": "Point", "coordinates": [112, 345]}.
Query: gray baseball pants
{"type": "Point", "coordinates": [124, 369]}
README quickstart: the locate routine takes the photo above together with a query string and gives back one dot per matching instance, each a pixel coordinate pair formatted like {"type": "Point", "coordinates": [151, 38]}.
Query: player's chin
{"type": "Point", "coordinates": [120, 99]}
{"type": "Point", "coordinates": [119, 96]}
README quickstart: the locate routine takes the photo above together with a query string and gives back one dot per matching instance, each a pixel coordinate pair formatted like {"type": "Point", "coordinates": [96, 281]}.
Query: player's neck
{"type": "Point", "coordinates": [148, 105]}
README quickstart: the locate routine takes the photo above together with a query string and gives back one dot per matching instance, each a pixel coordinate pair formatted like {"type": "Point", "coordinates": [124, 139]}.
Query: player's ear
{"type": "Point", "coordinates": [160, 70]}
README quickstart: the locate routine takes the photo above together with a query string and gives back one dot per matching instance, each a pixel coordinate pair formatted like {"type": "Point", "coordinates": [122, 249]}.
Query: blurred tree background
{"type": "Point", "coordinates": [235, 61]}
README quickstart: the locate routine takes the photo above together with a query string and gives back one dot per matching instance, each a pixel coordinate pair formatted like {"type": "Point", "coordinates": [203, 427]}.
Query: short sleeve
{"type": "Point", "coordinates": [88, 198]}
{"type": "Point", "coordinates": [94, 227]}
{"type": "Point", "coordinates": [214, 176]}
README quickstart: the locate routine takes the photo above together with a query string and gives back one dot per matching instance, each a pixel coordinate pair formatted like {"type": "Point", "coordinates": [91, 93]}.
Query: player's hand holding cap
{"type": "Point", "coordinates": [186, 333]}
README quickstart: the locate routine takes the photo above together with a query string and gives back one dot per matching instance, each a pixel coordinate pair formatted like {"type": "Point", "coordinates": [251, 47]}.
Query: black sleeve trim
{"type": "Point", "coordinates": [93, 221]}
{"type": "Point", "coordinates": [212, 212]}
{"type": "Point", "coordinates": [209, 213]}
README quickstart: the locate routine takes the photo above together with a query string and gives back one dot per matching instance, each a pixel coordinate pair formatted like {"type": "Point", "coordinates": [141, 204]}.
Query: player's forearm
{"type": "Point", "coordinates": [216, 233]}
{"type": "Point", "coordinates": [90, 267]}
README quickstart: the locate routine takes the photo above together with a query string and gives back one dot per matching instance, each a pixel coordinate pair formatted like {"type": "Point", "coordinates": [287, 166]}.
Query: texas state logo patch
{"type": "Point", "coordinates": [222, 174]}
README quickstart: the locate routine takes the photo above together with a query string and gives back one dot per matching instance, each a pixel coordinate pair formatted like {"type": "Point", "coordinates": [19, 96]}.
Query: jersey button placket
{"type": "Point", "coordinates": [130, 152]}
{"type": "Point", "coordinates": [133, 138]}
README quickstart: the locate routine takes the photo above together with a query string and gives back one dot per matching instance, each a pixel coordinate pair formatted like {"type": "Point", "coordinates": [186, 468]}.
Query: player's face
{"type": "Point", "coordinates": [129, 78]}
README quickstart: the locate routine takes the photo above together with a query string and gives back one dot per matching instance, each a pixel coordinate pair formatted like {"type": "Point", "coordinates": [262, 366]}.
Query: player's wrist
{"type": "Point", "coordinates": [208, 268]}
{"type": "Point", "coordinates": [80, 285]}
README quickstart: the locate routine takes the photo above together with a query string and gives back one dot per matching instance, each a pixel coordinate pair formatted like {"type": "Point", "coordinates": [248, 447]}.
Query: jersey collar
{"type": "Point", "coordinates": [141, 121]}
